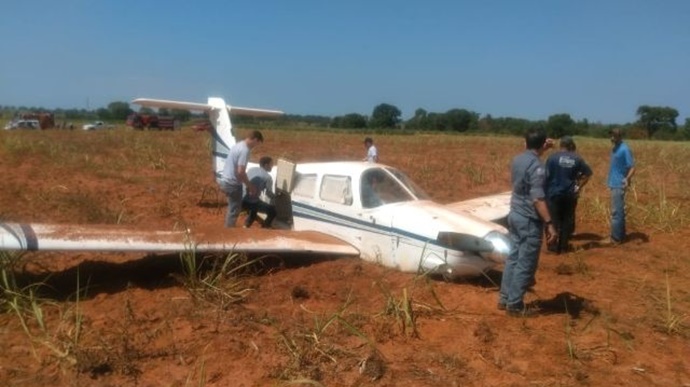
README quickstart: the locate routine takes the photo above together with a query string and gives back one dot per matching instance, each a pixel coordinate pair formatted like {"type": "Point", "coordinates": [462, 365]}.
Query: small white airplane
{"type": "Point", "coordinates": [360, 209]}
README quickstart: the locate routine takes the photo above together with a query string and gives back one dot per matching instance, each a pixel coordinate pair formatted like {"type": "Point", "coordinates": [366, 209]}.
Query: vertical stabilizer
{"type": "Point", "coordinates": [223, 135]}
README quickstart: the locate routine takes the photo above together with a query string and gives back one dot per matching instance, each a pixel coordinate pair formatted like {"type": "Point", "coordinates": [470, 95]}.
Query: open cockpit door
{"type": "Point", "coordinates": [285, 180]}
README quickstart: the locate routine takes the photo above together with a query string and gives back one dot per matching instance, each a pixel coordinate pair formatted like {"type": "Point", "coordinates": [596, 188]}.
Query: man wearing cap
{"type": "Point", "coordinates": [372, 152]}
{"type": "Point", "coordinates": [234, 175]}
{"type": "Point", "coordinates": [566, 174]}
{"type": "Point", "coordinates": [621, 172]}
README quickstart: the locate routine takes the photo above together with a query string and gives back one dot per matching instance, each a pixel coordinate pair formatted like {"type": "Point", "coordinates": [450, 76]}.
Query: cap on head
{"type": "Point", "coordinates": [568, 143]}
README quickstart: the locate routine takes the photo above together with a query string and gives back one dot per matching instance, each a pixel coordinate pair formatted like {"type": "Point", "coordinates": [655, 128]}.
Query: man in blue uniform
{"type": "Point", "coordinates": [566, 174]}
{"type": "Point", "coordinates": [526, 220]}
{"type": "Point", "coordinates": [621, 172]}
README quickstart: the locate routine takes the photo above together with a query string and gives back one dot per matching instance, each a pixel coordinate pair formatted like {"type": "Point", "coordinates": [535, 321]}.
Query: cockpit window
{"type": "Point", "coordinates": [379, 188]}
{"type": "Point", "coordinates": [411, 185]}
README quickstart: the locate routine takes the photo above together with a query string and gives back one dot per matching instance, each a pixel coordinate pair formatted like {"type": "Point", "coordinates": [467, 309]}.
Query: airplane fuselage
{"type": "Point", "coordinates": [399, 228]}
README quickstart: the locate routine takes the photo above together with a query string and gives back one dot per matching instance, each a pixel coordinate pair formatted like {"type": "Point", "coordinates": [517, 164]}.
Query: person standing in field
{"type": "Point", "coordinates": [262, 180]}
{"type": "Point", "coordinates": [578, 188]}
{"type": "Point", "coordinates": [372, 152]}
{"type": "Point", "coordinates": [566, 174]}
{"type": "Point", "coordinates": [621, 171]}
{"type": "Point", "coordinates": [526, 219]}
{"type": "Point", "coordinates": [234, 175]}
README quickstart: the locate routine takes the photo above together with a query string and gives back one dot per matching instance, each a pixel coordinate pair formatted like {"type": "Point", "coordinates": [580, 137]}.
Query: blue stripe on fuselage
{"type": "Point", "coordinates": [348, 221]}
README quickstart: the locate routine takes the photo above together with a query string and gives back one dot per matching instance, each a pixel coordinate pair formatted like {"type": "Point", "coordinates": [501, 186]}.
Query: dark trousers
{"type": "Point", "coordinates": [562, 210]}
{"type": "Point", "coordinates": [253, 208]}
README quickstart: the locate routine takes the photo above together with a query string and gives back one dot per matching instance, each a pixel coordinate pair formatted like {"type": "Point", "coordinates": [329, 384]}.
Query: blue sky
{"type": "Point", "coordinates": [598, 60]}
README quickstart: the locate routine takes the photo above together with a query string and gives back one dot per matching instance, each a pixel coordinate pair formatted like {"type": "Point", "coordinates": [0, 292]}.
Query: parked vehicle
{"type": "Point", "coordinates": [152, 121]}
{"type": "Point", "coordinates": [23, 124]}
{"type": "Point", "coordinates": [97, 125]}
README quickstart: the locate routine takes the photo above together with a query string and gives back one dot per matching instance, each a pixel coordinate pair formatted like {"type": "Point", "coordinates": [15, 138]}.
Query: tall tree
{"type": "Point", "coordinates": [119, 110]}
{"type": "Point", "coordinates": [418, 121]}
{"type": "Point", "coordinates": [558, 125]}
{"type": "Point", "coordinates": [385, 116]}
{"type": "Point", "coordinates": [461, 120]}
{"type": "Point", "coordinates": [353, 120]}
{"type": "Point", "coordinates": [654, 118]}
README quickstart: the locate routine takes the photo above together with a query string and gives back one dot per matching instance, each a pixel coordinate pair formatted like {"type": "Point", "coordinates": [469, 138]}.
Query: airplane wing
{"type": "Point", "coordinates": [236, 110]}
{"type": "Point", "coordinates": [35, 237]}
{"type": "Point", "coordinates": [493, 208]}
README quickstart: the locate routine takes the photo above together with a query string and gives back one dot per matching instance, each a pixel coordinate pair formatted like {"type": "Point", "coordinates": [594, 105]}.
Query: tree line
{"type": "Point", "coordinates": [657, 122]}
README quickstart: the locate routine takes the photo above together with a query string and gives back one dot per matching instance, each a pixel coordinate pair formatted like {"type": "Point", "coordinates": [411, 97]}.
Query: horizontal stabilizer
{"type": "Point", "coordinates": [251, 112]}
{"type": "Point", "coordinates": [163, 103]}
{"type": "Point", "coordinates": [493, 208]}
{"type": "Point", "coordinates": [204, 107]}
{"type": "Point", "coordinates": [41, 237]}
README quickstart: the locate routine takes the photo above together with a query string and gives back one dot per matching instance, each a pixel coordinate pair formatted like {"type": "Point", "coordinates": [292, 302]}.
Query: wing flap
{"type": "Point", "coordinates": [493, 208]}
{"type": "Point", "coordinates": [15, 236]}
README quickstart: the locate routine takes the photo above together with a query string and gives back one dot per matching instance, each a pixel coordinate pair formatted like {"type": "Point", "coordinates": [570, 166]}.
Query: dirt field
{"type": "Point", "coordinates": [615, 315]}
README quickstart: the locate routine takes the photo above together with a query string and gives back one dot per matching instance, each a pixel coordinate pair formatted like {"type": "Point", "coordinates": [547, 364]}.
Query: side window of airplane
{"type": "Point", "coordinates": [305, 185]}
{"type": "Point", "coordinates": [336, 189]}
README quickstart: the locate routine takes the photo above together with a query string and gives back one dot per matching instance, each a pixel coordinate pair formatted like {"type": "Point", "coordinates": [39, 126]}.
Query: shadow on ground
{"type": "Point", "coordinates": [149, 272]}
{"type": "Point", "coordinates": [565, 303]}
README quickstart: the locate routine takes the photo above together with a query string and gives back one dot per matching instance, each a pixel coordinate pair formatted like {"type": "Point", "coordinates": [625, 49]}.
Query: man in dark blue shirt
{"type": "Point", "coordinates": [566, 174]}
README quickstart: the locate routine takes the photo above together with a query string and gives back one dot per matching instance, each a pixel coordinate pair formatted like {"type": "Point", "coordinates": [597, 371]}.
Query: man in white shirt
{"type": "Point", "coordinates": [372, 152]}
{"type": "Point", "coordinates": [262, 180]}
{"type": "Point", "coordinates": [234, 175]}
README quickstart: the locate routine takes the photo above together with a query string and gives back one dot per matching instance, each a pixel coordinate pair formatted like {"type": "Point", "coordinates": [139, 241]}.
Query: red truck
{"type": "Point", "coordinates": [152, 121]}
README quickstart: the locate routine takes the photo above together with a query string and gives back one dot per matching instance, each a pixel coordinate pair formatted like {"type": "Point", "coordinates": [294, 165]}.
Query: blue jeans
{"type": "Point", "coordinates": [234, 194]}
{"type": "Point", "coordinates": [522, 261]}
{"type": "Point", "coordinates": [618, 214]}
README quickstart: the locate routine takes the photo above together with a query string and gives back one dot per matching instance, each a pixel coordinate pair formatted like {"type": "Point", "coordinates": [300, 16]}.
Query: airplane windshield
{"type": "Point", "coordinates": [379, 188]}
{"type": "Point", "coordinates": [411, 185]}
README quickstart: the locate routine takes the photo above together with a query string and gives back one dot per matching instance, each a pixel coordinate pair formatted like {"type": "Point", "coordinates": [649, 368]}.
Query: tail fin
{"type": "Point", "coordinates": [222, 132]}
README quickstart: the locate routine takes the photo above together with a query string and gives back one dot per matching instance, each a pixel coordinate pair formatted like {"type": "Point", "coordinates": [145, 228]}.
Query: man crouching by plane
{"type": "Point", "coordinates": [528, 214]}
{"type": "Point", "coordinates": [235, 175]}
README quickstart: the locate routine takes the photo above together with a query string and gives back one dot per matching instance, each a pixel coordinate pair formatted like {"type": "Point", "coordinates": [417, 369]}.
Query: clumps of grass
{"type": "Point", "coordinates": [312, 350]}
{"type": "Point", "coordinates": [401, 310]}
{"type": "Point", "coordinates": [663, 215]}
{"type": "Point", "coordinates": [670, 321]}
{"type": "Point", "coordinates": [61, 341]}
{"type": "Point", "coordinates": [217, 280]}
{"type": "Point", "coordinates": [474, 173]}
